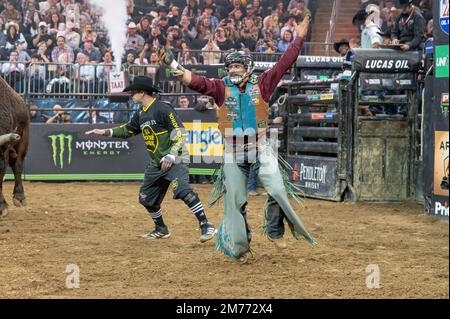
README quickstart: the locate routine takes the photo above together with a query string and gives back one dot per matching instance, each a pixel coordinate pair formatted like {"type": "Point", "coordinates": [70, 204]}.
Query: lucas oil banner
{"type": "Point", "coordinates": [64, 152]}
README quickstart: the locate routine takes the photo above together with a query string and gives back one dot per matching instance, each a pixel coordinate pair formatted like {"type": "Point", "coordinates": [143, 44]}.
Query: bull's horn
{"type": "Point", "coordinates": [7, 138]}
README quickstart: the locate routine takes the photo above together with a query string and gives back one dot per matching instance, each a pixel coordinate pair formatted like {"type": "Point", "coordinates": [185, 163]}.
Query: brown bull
{"type": "Point", "coordinates": [14, 136]}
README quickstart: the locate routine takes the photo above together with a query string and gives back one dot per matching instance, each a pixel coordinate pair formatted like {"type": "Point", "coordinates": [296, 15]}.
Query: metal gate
{"type": "Point", "coordinates": [386, 159]}
{"type": "Point", "coordinates": [318, 137]}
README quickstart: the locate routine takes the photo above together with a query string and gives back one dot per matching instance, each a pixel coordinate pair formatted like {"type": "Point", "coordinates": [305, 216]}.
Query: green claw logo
{"type": "Point", "coordinates": [60, 144]}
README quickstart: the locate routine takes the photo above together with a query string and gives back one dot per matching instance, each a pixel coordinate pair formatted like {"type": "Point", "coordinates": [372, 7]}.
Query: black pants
{"type": "Point", "coordinates": [156, 182]}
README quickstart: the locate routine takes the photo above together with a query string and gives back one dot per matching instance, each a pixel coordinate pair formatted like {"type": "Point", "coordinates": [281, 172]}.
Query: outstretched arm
{"type": "Point", "coordinates": [269, 79]}
{"type": "Point", "coordinates": [211, 87]}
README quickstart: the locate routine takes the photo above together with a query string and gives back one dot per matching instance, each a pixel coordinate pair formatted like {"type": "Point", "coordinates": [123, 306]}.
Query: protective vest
{"type": "Point", "coordinates": [244, 112]}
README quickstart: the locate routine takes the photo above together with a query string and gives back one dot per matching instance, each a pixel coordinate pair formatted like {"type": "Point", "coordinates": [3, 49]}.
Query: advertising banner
{"type": "Point", "coordinates": [317, 176]}
{"type": "Point", "coordinates": [64, 152]}
{"type": "Point", "coordinates": [436, 138]}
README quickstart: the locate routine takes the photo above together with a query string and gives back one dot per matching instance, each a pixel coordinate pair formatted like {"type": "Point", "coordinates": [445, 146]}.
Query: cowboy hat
{"type": "Point", "coordinates": [142, 83]}
{"type": "Point", "coordinates": [400, 4]}
{"type": "Point", "coordinates": [341, 42]}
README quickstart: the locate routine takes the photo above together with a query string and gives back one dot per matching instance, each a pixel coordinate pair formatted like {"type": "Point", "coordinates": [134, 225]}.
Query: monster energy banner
{"type": "Point", "coordinates": [436, 113]}
{"type": "Point", "coordinates": [385, 61]}
{"type": "Point", "coordinates": [64, 152]}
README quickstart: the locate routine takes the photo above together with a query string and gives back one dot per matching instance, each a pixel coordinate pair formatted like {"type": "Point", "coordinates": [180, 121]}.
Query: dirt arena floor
{"type": "Point", "coordinates": [97, 226]}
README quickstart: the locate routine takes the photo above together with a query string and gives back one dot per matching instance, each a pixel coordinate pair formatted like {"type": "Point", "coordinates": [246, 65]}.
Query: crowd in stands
{"type": "Point", "coordinates": [71, 32]}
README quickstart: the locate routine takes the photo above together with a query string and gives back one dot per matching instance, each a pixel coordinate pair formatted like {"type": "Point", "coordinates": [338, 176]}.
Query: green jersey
{"type": "Point", "coordinates": [161, 128]}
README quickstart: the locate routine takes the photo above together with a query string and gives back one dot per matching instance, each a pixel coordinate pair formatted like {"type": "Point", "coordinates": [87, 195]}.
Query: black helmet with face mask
{"type": "Point", "coordinates": [243, 58]}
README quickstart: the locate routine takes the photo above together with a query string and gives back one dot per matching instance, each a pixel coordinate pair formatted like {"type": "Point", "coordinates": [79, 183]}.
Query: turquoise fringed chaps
{"type": "Point", "coordinates": [231, 184]}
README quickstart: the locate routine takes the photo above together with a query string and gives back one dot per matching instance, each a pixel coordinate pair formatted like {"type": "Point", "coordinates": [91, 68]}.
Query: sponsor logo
{"type": "Point", "coordinates": [310, 176]}
{"type": "Point", "coordinates": [203, 139]}
{"type": "Point", "coordinates": [61, 149]}
{"type": "Point", "coordinates": [443, 15]}
{"type": "Point", "coordinates": [264, 65]}
{"type": "Point", "coordinates": [387, 64]}
{"type": "Point", "coordinates": [440, 209]}
{"type": "Point", "coordinates": [150, 138]}
{"type": "Point", "coordinates": [442, 61]}
{"type": "Point", "coordinates": [323, 59]}
{"type": "Point", "coordinates": [64, 146]}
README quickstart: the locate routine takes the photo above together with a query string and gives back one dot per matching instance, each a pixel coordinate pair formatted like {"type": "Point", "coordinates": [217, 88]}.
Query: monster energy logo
{"type": "Point", "coordinates": [59, 149]}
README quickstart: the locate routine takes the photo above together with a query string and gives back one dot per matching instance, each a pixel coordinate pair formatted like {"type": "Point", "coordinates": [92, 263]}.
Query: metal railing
{"type": "Point", "coordinates": [329, 39]}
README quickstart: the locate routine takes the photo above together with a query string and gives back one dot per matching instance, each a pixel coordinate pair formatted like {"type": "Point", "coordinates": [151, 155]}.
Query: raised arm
{"type": "Point", "coordinates": [268, 81]}
{"type": "Point", "coordinates": [211, 87]}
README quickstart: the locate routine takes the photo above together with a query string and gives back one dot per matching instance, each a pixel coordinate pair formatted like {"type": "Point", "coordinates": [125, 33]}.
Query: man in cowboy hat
{"type": "Point", "coordinates": [409, 28]}
{"type": "Point", "coordinates": [162, 131]}
{"type": "Point", "coordinates": [342, 47]}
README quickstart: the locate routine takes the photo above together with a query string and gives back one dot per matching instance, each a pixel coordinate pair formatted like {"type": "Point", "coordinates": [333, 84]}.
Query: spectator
{"type": "Point", "coordinates": [42, 36]}
{"type": "Point", "coordinates": [231, 32]}
{"type": "Point", "coordinates": [144, 27]}
{"type": "Point", "coordinates": [94, 55]}
{"type": "Point", "coordinates": [134, 41]}
{"type": "Point", "coordinates": [89, 33]}
{"type": "Point", "coordinates": [97, 118]}
{"type": "Point", "coordinates": [237, 17]}
{"type": "Point", "coordinates": [163, 24]}
{"type": "Point", "coordinates": [211, 53]}
{"type": "Point", "coordinates": [10, 13]}
{"type": "Point", "coordinates": [84, 74]}
{"type": "Point", "coordinates": [287, 39]}
{"type": "Point", "coordinates": [44, 6]}
{"type": "Point", "coordinates": [23, 54]}
{"type": "Point", "coordinates": [186, 55]}
{"type": "Point", "coordinates": [30, 11]}
{"type": "Point", "coordinates": [174, 16]}
{"type": "Point", "coordinates": [370, 36]}
{"type": "Point", "coordinates": [188, 31]}
{"type": "Point", "coordinates": [208, 12]}
{"type": "Point", "coordinates": [36, 74]}
{"type": "Point", "coordinates": [270, 25]}
{"type": "Point", "coordinates": [289, 25]}
{"type": "Point", "coordinates": [56, 24]}
{"type": "Point", "coordinates": [154, 65]}
{"type": "Point", "coordinates": [249, 23]}
{"type": "Point", "coordinates": [342, 47]}
{"type": "Point", "coordinates": [59, 116]}
{"type": "Point", "coordinates": [72, 37]}
{"type": "Point", "coordinates": [42, 52]}
{"type": "Point", "coordinates": [192, 10]}
{"type": "Point", "coordinates": [103, 70]}
{"type": "Point", "coordinates": [14, 72]}
{"type": "Point", "coordinates": [205, 28]}
{"type": "Point", "coordinates": [266, 45]}
{"type": "Point", "coordinates": [13, 35]}
{"type": "Point", "coordinates": [246, 41]}
{"type": "Point", "coordinates": [128, 65]}
{"type": "Point", "coordinates": [222, 42]}
{"type": "Point", "coordinates": [183, 102]}
{"type": "Point", "coordinates": [156, 39]}
{"type": "Point", "coordinates": [409, 27]}
{"type": "Point", "coordinates": [36, 115]}
{"type": "Point", "coordinates": [61, 83]}
{"type": "Point", "coordinates": [60, 49]}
